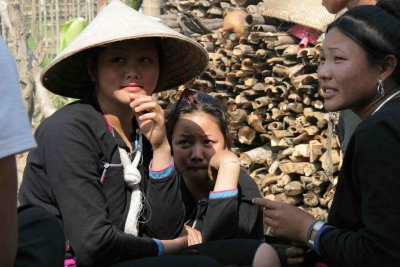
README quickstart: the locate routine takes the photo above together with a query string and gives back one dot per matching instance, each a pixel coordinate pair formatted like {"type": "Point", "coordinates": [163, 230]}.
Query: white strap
{"type": "Point", "coordinates": [132, 179]}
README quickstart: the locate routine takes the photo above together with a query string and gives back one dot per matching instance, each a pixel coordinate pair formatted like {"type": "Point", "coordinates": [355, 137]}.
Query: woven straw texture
{"type": "Point", "coordinates": [182, 58]}
{"type": "Point", "coordinates": [310, 13]}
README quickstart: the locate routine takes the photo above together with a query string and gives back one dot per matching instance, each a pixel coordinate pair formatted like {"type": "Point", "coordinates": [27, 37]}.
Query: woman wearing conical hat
{"type": "Point", "coordinates": [102, 161]}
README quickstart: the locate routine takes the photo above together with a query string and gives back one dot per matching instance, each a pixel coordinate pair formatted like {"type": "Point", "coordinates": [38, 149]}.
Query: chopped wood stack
{"type": "Point", "coordinates": [283, 136]}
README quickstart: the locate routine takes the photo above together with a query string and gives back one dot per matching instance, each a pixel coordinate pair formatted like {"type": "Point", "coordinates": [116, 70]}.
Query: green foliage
{"type": "Point", "coordinates": [70, 30]}
{"type": "Point", "coordinates": [31, 43]}
{"type": "Point", "coordinates": [135, 4]}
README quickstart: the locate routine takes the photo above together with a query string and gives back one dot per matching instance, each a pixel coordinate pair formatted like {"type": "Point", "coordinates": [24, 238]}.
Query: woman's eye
{"type": "Point", "coordinates": [207, 142]}
{"type": "Point", "coordinates": [145, 60]}
{"type": "Point", "coordinates": [118, 60]}
{"type": "Point", "coordinates": [338, 58]}
{"type": "Point", "coordinates": [183, 142]}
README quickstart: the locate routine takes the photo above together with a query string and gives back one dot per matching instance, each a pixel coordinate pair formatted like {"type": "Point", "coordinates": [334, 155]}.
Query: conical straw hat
{"type": "Point", "coordinates": [182, 58]}
{"type": "Point", "coordinates": [310, 13]}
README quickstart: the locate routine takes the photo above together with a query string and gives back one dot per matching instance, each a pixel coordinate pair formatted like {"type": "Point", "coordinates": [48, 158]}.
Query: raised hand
{"type": "Point", "coordinates": [151, 121]}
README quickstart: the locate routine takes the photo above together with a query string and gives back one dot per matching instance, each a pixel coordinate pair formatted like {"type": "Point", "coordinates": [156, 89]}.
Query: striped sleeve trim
{"type": "Point", "coordinates": [160, 174]}
{"type": "Point", "coordinates": [223, 194]}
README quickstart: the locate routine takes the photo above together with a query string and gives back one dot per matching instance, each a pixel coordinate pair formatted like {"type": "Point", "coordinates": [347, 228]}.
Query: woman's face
{"type": "Point", "coordinates": [346, 77]}
{"type": "Point", "coordinates": [126, 67]}
{"type": "Point", "coordinates": [195, 139]}
{"type": "Point", "coordinates": [334, 6]}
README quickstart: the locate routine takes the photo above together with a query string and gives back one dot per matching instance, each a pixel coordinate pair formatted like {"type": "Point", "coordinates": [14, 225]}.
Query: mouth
{"type": "Point", "coordinates": [328, 92]}
{"type": "Point", "coordinates": [132, 87]}
{"type": "Point", "coordinates": [196, 168]}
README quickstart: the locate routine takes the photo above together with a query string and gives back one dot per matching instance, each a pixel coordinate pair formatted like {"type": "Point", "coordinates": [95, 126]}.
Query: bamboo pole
{"type": "Point", "coordinates": [33, 18]}
{"type": "Point", "coordinates": [44, 6]}
{"type": "Point", "coordinates": [57, 8]}
{"type": "Point", "coordinates": [152, 8]}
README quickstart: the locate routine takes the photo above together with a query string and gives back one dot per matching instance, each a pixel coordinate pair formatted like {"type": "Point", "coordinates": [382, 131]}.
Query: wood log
{"type": "Point", "coordinates": [270, 180]}
{"type": "Point", "coordinates": [276, 125]}
{"type": "Point", "coordinates": [294, 188]}
{"type": "Point", "coordinates": [293, 200]}
{"type": "Point", "coordinates": [318, 213]}
{"type": "Point", "coordinates": [255, 121]}
{"type": "Point", "coordinates": [303, 168]}
{"type": "Point", "coordinates": [242, 50]}
{"type": "Point", "coordinates": [246, 135]}
{"type": "Point", "coordinates": [315, 150]}
{"type": "Point", "coordinates": [261, 155]}
{"type": "Point", "coordinates": [301, 150]}
{"type": "Point", "coordinates": [284, 180]}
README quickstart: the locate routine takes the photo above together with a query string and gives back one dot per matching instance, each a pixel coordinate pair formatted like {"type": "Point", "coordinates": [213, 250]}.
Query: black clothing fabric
{"type": "Point", "coordinates": [171, 261]}
{"type": "Point", "coordinates": [366, 206]}
{"type": "Point", "coordinates": [228, 217]}
{"type": "Point", "coordinates": [63, 175]}
{"type": "Point", "coordinates": [232, 252]}
{"type": "Point", "coordinates": [41, 240]}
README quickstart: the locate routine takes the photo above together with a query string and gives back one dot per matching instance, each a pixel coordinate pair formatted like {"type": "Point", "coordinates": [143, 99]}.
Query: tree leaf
{"type": "Point", "coordinates": [70, 30]}
{"type": "Point", "coordinates": [136, 4]}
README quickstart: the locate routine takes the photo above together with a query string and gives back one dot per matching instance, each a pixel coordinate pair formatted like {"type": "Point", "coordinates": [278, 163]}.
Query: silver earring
{"type": "Point", "coordinates": [381, 88]}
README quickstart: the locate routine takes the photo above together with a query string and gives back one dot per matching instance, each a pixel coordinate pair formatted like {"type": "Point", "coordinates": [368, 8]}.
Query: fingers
{"type": "Point", "coordinates": [294, 252]}
{"type": "Point", "coordinates": [142, 103]}
{"type": "Point", "coordinates": [265, 203]}
{"type": "Point", "coordinates": [294, 261]}
{"type": "Point", "coordinates": [194, 236]}
{"type": "Point", "coordinates": [296, 255]}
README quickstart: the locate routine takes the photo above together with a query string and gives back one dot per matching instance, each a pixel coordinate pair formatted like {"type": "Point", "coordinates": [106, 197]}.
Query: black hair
{"type": "Point", "coordinates": [376, 29]}
{"type": "Point", "coordinates": [191, 101]}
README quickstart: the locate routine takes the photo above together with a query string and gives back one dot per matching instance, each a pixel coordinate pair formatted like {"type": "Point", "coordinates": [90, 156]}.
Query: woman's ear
{"type": "Point", "coordinates": [388, 67]}
{"type": "Point", "coordinates": [91, 69]}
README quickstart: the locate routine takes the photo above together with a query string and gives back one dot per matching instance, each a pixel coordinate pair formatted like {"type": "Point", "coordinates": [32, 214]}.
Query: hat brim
{"type": "Point", "coordinates": [182, 59]}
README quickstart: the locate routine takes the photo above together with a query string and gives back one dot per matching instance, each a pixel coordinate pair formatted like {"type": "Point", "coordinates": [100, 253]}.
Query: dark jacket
{"type": "Point", "coordinates": [229, 217]}
{"type": "Point", "coordinates": [366, 206]}
{"type": "Point", "coordinates": [63, 176]}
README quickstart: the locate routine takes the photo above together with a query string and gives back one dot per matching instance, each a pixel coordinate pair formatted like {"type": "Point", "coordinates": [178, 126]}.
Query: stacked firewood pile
{"type": "Point", "coordinates": [284, 137]}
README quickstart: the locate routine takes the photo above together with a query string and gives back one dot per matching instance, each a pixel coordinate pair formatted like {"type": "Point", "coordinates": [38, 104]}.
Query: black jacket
{"type": "Point", "coordinates": [229, 217]}
{"type": "Point", "coordinates": [63, 176]}
{"type": "Point", "coordinates": [366, 206]}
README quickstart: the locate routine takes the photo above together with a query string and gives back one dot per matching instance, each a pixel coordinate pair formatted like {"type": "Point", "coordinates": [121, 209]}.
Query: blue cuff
{"type": "Point", "coordinates": [153, 174]}
{"type": "Point", "coordinates": [223, 194]}
{"type": "Point", "coordinates": [160, 246]}
{"type": "Point", "coordinates": [323, 229]}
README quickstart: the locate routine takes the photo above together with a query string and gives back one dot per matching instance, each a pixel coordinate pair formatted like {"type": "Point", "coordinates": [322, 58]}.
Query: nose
{"type": "Point", "coordinates": [132, 72]}
{"type": "Point", "coordinates": [324, 72]}
{"type": "Point", "coordinates": [196, 153]}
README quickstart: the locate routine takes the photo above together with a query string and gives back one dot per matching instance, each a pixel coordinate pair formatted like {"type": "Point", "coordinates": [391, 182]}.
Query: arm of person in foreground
{"type": "Point", "coordinates": [8, 210]}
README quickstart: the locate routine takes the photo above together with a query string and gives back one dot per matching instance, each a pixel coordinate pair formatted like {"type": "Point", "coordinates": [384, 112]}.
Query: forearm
{"type": "Point", "coordinates": [8, 211]}
{"type": "Point", "coordinates": [174, 246]}
{"type": "Point", "coordinates": [161, 155]}
{"type": "Point", "coordinates": [228, 175]}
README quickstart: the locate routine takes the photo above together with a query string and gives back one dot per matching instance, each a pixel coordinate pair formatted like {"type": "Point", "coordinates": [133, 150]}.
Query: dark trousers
{"type": "Point", "coordinates": [214, 253]}
{"type": "Point", "coordinates": [175, 260]}
{"type": "Point", "coordinates": [41, 241]}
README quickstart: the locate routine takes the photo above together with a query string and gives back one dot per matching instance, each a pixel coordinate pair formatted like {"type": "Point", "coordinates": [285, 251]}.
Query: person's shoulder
{"type": "Point", "coordinates": [387, 117]}
{"type": "Point", "coordinates": [76, 113]}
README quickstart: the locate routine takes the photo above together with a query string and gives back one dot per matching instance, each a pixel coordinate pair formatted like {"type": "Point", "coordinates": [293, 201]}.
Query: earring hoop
{"type": "Point", "coordinates": [381, 88]}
